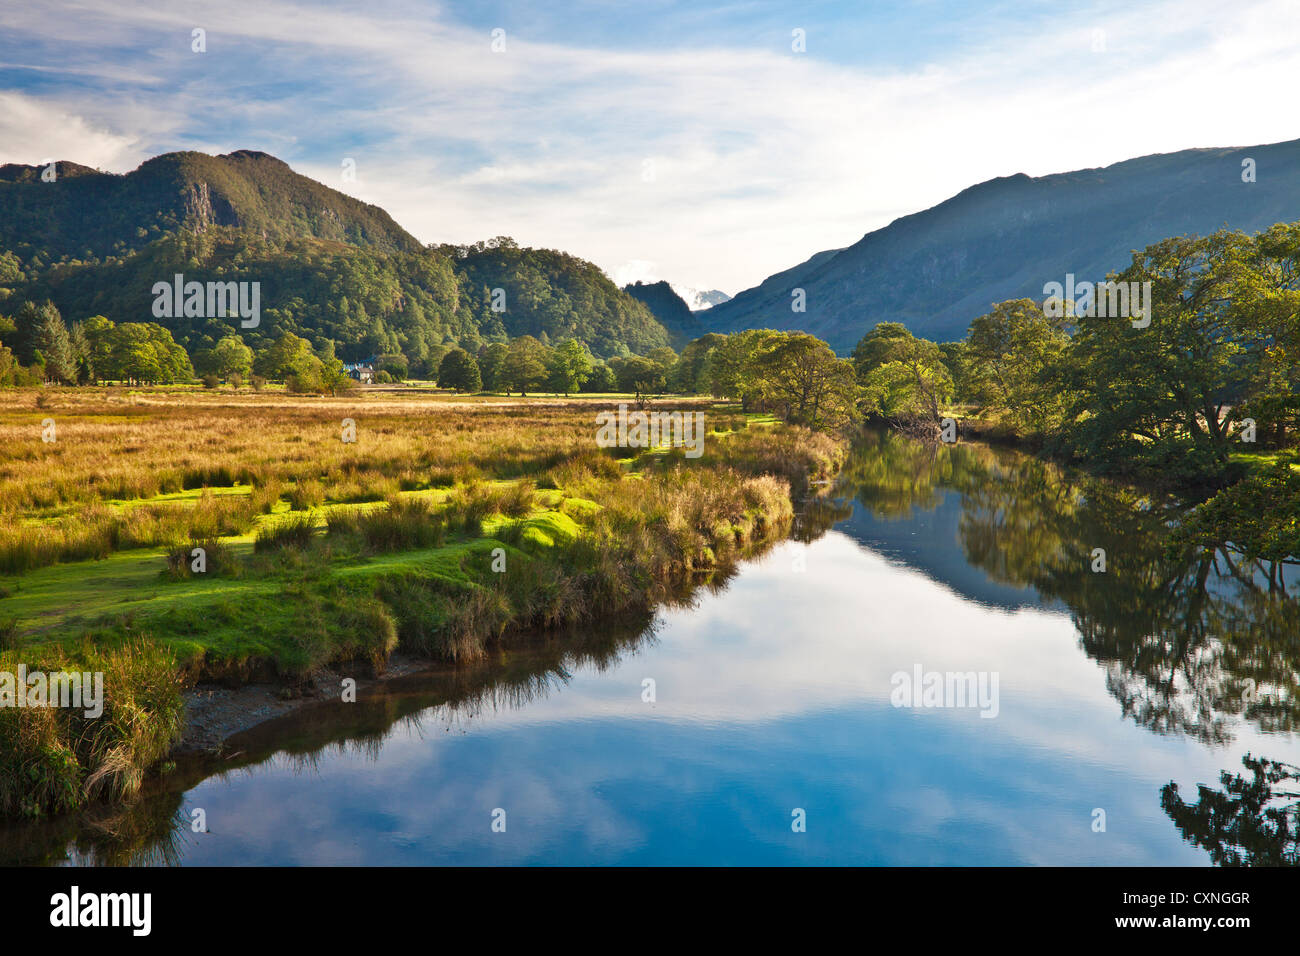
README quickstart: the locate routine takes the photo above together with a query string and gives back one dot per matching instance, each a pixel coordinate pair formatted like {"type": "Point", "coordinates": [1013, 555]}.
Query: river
{"type": "Point", "coordinates": [767, 720]}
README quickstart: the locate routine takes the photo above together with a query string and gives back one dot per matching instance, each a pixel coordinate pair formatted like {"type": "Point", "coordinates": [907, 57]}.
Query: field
{"type": "Point", "coordinates": [173, 535]}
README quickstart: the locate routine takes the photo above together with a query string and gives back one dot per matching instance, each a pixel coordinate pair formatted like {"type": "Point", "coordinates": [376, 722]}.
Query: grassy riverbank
{"type": "Point", "coordinates": [446, 526]}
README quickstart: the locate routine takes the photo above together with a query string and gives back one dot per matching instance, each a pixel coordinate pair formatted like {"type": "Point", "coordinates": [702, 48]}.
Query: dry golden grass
{"type": "Point", "coordinates": [91, 490]}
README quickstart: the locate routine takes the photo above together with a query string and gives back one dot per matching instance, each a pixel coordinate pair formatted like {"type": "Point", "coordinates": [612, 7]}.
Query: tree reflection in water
{"type": "Point", "coordinates": [1192, 638]}
{"type": "Point", "coordinates": [1250, 822]}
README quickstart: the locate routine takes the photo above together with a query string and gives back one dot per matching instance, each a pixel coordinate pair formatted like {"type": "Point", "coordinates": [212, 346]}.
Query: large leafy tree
{"type": "Point", "coordinates": [1012, 363]}
{"type": "Point", "coordinates": [1160, 394]}
{"type": "Point", "coordinates": [691, 374]}
{"type": "Point", "coordinates": [290, 355]}
{"type": "Point", "coordinates": [1265, 296]}
{"type": "Point", "coordinates": [636, 373]}
{"type": "Point", "coordinates": [734, 362]}
{"type": "Point", "coordinates": [491, 363]}
{"type": "Point", "coordinates": [570, 365]}
{"type": "Point", "coordinates": [460, 371]}
{"type": "Point", "coordinates": [97, 335]}
{"type": "Point", "coordinates": [902, 377]}
{"type": "Point", "coordinates": [525, 363]}
{"type": "Point", "coordinates": [232, 357]}
{"type": "Point", "coordinates": [146, 352]}
{"type": "Point", "coordinates": [806, 382]}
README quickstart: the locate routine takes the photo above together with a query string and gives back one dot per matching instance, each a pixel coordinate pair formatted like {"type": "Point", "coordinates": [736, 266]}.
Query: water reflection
{"type": "Point", "coordinates": [1250, 822]}
{"type": "Point", "coordinates": [1191, 641]}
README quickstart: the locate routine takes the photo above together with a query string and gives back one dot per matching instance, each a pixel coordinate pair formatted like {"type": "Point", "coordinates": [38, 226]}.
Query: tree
{"type": "Point", "coordinates": [232, 357]}
{"type": "Point", "coordinates": [639, 374]}
{"type": "Point", "coordinates": [98, 334]}
{"type": "Point", "coordinates": [146, 352]}
{"type": "Point", "coordinates": [333, 378]}
{"type": "Point", "coordinates": [691, 375]}
{"type": "Point", "coordinates": [1157, 394]}
{"type": "Point", "coordinates": [395, 365]}
{"type": "Point", "coordinates": [81, 353]}
{"type": "Point", "coordinates": [903, 378]}
{"type": "Point", "coordinates": [289, 356]}
{"type": "Point", "coordinates": [51, 339]}
{"type": "Point", "coordinates": [601, 379]}
{"type": "Point", "coordinates": [732, 366]}
{"type": "Point", "coordinates": [525, 365]}
{"type": "Point", "coordinates": [491, 363]}
{"type": "Point", "coordinates": [1012, 356]}
{"type": "Point", "coordinates": [1265, 296]}
{"type": "Point", "coordinates": [807, 382]}
{"type": "Point", "coordinates": [460, 371]}
{"type": "Point", "coordinates": [570, 365]}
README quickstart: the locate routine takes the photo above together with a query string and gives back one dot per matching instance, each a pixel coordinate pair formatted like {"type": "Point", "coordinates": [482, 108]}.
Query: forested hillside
{"type": "Point", "coordinates": [329, 268]}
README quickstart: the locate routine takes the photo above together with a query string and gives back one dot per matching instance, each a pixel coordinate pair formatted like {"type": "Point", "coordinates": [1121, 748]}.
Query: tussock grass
{"type": "Point", "coordinates": [404, 524]}
{"type": "Point", "coordinates": [53, 759]}
{"type": "Point", "coordinates": [294, 531]}
{"type": "Point", "coordinates": [306, 493]}
{"type": "Point", "coordinates": [218, 559]}
{"type": "Point", "coordinates": [470, 506]}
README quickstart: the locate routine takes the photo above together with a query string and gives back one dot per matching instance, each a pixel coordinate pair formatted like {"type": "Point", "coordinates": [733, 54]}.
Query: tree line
{"type": "Point", "coordinates": [1214, 372]}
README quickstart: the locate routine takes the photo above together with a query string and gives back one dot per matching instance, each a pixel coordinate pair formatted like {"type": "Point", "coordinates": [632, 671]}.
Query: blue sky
{"type": "Point", "coordinates": [685, 141]}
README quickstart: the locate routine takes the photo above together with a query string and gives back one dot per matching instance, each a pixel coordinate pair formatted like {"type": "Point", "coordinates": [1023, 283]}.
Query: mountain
{"type": "Point", "coordinates": [669, 308]}
{"type": "Point", "coordinates": [937, 270]}
{"type": "Point", "coordinates": [700, 299]}
{"type": "Point", "coordinates": [330, 268]}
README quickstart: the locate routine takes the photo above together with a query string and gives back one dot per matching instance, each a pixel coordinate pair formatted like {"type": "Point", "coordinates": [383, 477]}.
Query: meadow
{"type": "Point", "coordinates": [175, 535]}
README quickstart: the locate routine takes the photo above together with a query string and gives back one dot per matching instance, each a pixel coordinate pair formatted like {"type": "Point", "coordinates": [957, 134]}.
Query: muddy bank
{"type": "Point", "coordinates": [215, 713]}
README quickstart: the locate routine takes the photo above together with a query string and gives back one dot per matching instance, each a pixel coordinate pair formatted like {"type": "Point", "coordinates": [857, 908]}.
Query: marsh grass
{"type": "Point", "coordinates": [402, 525]}
{"type": "Point", "coordinates": [587, 533]}
{"type": "Point", "coordinates": [470, 506]}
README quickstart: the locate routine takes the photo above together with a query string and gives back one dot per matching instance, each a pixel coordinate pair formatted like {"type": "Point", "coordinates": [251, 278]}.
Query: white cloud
{"type": "Point", "coordinates": [32, 131]}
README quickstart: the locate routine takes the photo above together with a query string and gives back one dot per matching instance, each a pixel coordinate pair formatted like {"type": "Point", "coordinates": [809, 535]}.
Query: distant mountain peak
{"type": "Point", "coordinates": [669, 308]}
